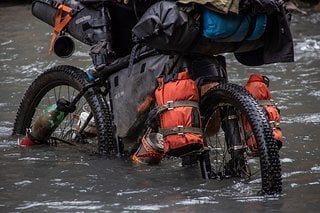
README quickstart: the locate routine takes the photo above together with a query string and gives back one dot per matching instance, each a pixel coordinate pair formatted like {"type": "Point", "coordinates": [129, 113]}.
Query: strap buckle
{"type": "Point", "coordinates": [170, 105]}
{"type": "Point", "coordinates": [179, 130]}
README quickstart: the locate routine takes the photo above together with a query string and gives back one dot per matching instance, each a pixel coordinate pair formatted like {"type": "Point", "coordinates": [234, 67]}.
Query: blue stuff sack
{"type": "Point", "coordinates": [232, 27]}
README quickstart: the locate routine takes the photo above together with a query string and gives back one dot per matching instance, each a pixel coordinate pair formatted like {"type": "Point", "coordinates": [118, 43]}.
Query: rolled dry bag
{"type": "Point", "coordinates": [44, 11]}
{"type": "Point", "coordinates": [164, 26]}
{"type": "Point", "coordinates": [88, 24]}
{"type": "Point", "coordinates": [177, 98]}
{"type": "Point", "coordinates": [258, 86]}
{"type": "Point", "coordinates": [232, 27]}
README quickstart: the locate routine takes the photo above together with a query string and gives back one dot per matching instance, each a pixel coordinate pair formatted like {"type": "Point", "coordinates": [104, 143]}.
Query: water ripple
{"type": "Point", "coordinates": [313, 118]}
{"type": "Point", "coordinates": [314, 93]}
{"type": "Point", "coordinates": [23, 183]}
{"type": "Point", "coordinates": [30, 159]}
{"type": "Point", "coordinates": [5, 131]}
{"type": "Point", "coordinates": [256, 198]}
{"type": "Point", "coordinates": [6, 42]}
{"type": "Point", "coordinates": [199, 200]}
{"type": "Point", "coordinates": [316, 168]}
{"type": "Point", "coordinates": [289, 174]}
{"type": "Point", "coordinates": [146, 207]}
{"type": "Point", "coordinates": [64, 205]}
{"type": "Point", "coordinates": [133, 192]}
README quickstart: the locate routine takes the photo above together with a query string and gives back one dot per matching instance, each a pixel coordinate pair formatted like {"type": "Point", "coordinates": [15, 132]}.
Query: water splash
{"type": "Point", "coordinates": [307, 49]}
{"type": "Point", "coordinates": [315, 169]}
{"type": "Point", "coordinates": [286, 160]}
{"type": "Point", "coordinates": [64, 205]}
{"type": "Point", "coordinates": [199, 200]}
{"type": "Point", "coordinates": [23, 183]}
{"type": "Point", "coordinates": [309, 45]}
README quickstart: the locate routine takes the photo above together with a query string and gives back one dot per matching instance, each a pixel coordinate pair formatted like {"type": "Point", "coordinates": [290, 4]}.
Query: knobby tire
{"type": "Point", "coordinates": [76, 79]}
{"type": "Point", "coordinates": [236, 96]}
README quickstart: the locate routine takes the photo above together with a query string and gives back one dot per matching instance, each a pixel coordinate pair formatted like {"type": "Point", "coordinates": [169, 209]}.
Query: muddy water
{"type": "Point", "coordinates": [57, 179]}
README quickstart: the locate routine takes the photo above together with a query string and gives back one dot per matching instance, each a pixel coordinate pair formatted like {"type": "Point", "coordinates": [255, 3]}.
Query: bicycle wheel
{"type": "Point", "coordinates": [225, 109]}
{"type": "Point", "coordinates": [66, 82]}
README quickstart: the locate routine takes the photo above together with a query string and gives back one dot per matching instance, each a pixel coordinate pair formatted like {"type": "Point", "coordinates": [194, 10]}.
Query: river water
{"type": "Point", "coordinates": [57, 179]}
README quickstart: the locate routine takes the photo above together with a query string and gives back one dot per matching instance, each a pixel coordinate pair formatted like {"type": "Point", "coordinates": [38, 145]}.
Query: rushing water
{"type": "Point", "coordinates": [56, 179]}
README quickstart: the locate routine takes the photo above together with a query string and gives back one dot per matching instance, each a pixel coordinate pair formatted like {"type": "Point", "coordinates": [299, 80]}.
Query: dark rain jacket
{"type": "Point", "coordinates": [278, 42]}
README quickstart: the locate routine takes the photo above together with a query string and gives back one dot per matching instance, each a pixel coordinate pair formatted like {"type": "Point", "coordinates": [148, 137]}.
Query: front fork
{"type": "Point", "coordinates": [235, 141]}
{"type": "Point", "coordinates": [231, 127]}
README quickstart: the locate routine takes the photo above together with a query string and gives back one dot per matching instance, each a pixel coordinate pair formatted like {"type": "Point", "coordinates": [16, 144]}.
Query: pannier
{"type": "Point", "coordinates": [177, 98]}
{"type": "Point", "coordinates": [135, 85]}
{"type": "Point", "coordinates": [258, 86]}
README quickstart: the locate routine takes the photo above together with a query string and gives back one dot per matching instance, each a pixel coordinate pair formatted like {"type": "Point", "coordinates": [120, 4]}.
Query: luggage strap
{"type": "Point", "coordinates": [180, 130]}
{"type": "Point", "coordinates": [274, 124]}
{"type": "Point", "coordinates": [173, 104]}
{"type": "Point", "coordinates": [60, 22]}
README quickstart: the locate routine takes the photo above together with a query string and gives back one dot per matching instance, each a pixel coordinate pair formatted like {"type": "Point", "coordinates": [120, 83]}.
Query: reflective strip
{"type": "Point", "coordinates": [173, 104]}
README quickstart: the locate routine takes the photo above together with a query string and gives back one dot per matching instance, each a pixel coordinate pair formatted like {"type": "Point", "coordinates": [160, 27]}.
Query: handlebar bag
{"type": "Point", "coordinates": [89, 24]}
{"type": "Point", "coordinates": [164, 26]}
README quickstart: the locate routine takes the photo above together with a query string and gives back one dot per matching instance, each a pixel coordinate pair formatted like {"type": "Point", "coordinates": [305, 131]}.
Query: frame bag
{"type": "Point", "coordinates": [134, 86]}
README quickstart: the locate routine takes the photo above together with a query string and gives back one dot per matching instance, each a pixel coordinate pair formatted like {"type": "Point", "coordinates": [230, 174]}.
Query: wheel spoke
{"type": "Point", "coordinates": [66, 82]}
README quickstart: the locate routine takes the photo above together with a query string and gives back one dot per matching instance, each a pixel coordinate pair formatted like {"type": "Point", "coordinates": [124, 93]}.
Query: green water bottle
{"type": "Point", "coordinates": [46, 124]}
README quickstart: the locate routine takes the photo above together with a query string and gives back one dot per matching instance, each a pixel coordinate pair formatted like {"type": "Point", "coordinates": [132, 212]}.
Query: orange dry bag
{"type": "Point", "coordinates": [178, 108]}
{"type": "Point", "coordinates": [258, 85]}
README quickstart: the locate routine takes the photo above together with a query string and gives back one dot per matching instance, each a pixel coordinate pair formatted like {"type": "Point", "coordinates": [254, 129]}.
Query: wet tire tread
{"type": "Point", "coordinates": [269, 155]}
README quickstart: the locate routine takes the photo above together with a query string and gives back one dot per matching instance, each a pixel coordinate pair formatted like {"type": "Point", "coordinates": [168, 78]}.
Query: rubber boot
{"type": "Point", "coordinates": [150, 151]}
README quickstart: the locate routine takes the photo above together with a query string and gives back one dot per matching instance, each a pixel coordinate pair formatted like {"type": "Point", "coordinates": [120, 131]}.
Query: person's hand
{"type": "Point", "coordinates": [124, 1]}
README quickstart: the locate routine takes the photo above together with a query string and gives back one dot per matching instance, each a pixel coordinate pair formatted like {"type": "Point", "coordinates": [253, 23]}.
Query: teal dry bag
{"type": "Point", "coordinates": [232, 27]}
